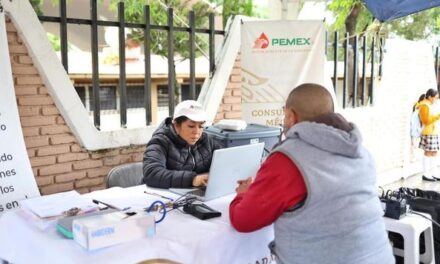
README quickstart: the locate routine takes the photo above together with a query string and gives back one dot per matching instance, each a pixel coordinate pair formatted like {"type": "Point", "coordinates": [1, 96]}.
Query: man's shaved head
{"type": "Point", "coordinates": [309, 101]}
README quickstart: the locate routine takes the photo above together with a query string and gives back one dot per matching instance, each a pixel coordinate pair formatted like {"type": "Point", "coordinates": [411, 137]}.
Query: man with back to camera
{"type": "Point", "coordinates": [318, 187]}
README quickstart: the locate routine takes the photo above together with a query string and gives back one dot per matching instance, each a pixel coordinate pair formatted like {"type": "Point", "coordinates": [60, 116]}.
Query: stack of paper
{"type": "Point", "coordinates": [43, 211]}
{"type": "Point", "coordinates": [129, 198]}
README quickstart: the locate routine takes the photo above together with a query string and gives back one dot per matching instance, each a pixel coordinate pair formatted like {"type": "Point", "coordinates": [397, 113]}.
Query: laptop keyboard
{"type": "Point", "coordinates": [198, 192]}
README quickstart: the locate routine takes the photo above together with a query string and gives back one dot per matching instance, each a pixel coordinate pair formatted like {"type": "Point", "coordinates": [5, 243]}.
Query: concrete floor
{"type": "Point", "coordinates": [414, 181]}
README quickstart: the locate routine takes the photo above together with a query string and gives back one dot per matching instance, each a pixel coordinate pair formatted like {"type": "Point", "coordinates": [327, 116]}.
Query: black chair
{"type": "Point", "coordinates": [125, 175]}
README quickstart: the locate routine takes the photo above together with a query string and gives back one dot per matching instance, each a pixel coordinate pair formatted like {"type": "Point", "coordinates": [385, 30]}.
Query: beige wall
{"type": "Point", "coordinates": [59, 163]}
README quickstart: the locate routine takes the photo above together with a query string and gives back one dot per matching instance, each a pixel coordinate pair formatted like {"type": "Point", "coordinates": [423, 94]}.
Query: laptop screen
{"type": "Point", "coordinates": [227, 167]}
{"type": "Point", "coordinates": [230, 165]}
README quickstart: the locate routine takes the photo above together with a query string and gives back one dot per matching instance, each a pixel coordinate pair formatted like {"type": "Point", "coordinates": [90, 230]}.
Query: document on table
{"type": "Point", "coordinates": [122, 198]}
{"type": "Point", "coordinates": [57, 204]}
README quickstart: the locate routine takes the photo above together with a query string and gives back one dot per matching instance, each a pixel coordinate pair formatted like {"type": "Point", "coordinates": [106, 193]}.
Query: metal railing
{"type": "Point", "coordinates": [356, 91]}
{"type": "Point", "coordinates": [370, 48]}
{"type": "Point", "coordinates": [147, 27]}
{"type": "Point", "coordinates": [437, 66]}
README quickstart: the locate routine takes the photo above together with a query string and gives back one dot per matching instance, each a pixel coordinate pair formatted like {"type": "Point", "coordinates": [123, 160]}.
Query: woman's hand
{"type": "Point", "coordinates": [200, 180]}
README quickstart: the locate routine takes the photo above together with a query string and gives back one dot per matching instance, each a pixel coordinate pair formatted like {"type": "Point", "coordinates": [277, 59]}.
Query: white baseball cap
{"type": "Point", "coordinates": [191, 109]}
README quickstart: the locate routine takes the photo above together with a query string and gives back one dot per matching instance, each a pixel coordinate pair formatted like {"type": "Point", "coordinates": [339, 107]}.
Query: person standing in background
{"type": "Point", "coordinates": [415, 127]}
{"type": "Point", "coordinates": [429, 139]}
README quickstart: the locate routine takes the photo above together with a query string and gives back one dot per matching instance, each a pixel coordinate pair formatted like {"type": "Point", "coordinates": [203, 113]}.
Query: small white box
{"type": "Point", "coordinates": [231, 124]}
{"type": "Point", "coordinates": [105, 230]}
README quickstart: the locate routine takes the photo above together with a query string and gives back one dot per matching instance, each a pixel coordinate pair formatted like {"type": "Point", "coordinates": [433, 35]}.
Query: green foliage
{"type": "Point", "coordinates": [55, 41]}
{"type": "Point", "coordinates": [421, 25]}
{"type": "Point", "coordinates": [158, 12]}
{"type": "Point", "coordinates": [413, 27]}
{"type": "Point", "coordinates": [341, 9]}
{"type": "Point", "coordinates": [260, 11]}
{"type": "Point", "coordinates": [237, 7]}
{"type": "Point", "coordinates": [36, 4]}
{"type": "Point", "coordinates": [134, 12]}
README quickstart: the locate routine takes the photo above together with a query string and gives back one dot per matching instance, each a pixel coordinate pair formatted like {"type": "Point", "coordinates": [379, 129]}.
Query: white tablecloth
{"type": "Point", "coordinates": [179, 237]}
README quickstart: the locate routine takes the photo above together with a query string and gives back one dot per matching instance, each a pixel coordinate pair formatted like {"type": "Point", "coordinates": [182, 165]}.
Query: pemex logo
{"type": "Point", "coordinates": [261, 42]}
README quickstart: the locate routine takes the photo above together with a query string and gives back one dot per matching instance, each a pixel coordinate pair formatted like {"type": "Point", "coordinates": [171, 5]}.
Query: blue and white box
{"type": "Point", "coordinates": [105, 230]}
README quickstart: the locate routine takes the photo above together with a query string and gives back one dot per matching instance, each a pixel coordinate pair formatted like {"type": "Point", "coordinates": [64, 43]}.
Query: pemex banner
{"type": "Point", "coordinates": [276, 56]}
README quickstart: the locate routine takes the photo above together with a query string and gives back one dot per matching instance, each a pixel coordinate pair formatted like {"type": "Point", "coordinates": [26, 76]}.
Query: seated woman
{"type": "Point", "coordinates": [179, 153]}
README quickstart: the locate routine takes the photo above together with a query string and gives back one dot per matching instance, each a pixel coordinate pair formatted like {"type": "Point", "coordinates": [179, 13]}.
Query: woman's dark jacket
{"type": "Point", "coordinates": [170, 162]}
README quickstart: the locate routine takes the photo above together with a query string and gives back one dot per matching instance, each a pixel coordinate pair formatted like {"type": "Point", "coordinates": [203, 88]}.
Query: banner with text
{"type": "Point", "coordinates": [276, 56]}
{"type": "Point", "coordinates": [17, 181]}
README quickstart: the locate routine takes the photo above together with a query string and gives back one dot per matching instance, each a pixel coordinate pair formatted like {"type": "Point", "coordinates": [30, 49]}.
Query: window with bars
{"type": "Point", "coordinates": [107, 97]}
{"type": "Point", "coordinates": [185, 91]}
{"type": "Point", "coordinates": [162, 97]}
{"type": "Point", "coordinates": [135, 96]}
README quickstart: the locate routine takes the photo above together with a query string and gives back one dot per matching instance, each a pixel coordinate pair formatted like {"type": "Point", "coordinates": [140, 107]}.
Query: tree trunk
{"type": "Point", "coordinates": [351, 20]}
{"type": "Point", "coordinates": [177, 86]}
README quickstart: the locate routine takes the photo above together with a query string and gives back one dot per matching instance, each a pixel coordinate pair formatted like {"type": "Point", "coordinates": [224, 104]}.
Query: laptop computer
{"type": "Point", "coordinates": [227, 167]}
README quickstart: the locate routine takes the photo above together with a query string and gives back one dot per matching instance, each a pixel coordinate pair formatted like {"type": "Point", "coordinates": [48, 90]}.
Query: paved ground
{"type": "Point", "coordinates": [414, 182]}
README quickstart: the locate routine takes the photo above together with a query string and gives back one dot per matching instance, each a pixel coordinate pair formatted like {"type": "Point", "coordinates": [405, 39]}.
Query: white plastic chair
{"type": "Point", "coordinates": [411, 227]}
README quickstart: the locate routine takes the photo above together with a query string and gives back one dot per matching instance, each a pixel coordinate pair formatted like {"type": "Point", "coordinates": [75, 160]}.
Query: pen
{"type": "Point", "coordinates": [158, 195]}
{"type": "Point", "coordinates": [109, 205]}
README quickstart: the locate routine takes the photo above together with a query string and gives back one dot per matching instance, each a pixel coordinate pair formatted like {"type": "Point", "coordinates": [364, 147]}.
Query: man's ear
{"type": "Point", "coordinates": [293, 118]}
